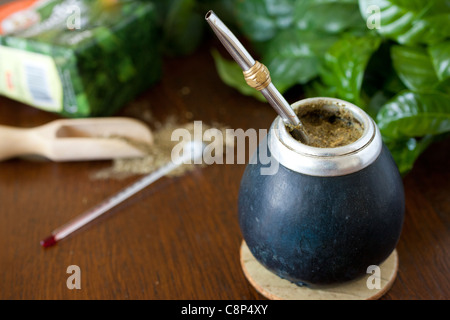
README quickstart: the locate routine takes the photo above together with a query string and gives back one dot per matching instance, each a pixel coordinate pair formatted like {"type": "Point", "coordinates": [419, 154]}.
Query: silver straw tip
{"type": "Point", "coordinates": [208, 14]}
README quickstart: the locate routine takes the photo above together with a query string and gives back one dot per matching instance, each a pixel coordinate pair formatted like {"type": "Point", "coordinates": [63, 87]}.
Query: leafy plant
{"type": "Point", "coordinates": [390, 57]}
{"type": "Point", "coordinates": [182, 24]}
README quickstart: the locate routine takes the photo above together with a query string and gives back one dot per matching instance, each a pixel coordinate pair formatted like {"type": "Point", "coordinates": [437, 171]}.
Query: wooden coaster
{"type": "Point", "coordinates": [274, 288]}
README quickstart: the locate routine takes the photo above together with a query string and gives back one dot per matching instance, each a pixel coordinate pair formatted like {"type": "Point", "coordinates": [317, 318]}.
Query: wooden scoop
{"type": "Point", "coordinates": [77, 139]}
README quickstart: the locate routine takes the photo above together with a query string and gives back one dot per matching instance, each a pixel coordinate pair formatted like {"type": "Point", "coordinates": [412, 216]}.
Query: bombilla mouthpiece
{"type": "Point", "coordinates": [230, 42]}
{"type": "Point", "coordinates": [257, 76]}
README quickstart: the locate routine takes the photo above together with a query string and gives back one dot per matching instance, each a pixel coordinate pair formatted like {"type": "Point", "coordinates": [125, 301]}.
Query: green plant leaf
{"type": "Point", "coordinates": [261, 20]}
{"type": "Point", "coordinates": [345, 63]}
{"type": "Point", "coordinates": [411, 114]}
{"type": "Point", "coordinates": [409, 22]}
{"type": "Point", "coordinates": [293, 56]}
{"type": "Point", "coordinates": [376, 102]}
{"type": "Point", "coordinates": [183, 28]}
{"type": "Point", "coordinates": [231, 74]}
{"type": "Point", "coordinates": [444, 86]}
{"type": "Point", "coordinates": [414, 67]}
{"type": "Point", "coordinates": [440, 57]}
{"type": "Point", "coordinates": [330, 16]}
{"type": "Point", "coordinates": [406, 151]}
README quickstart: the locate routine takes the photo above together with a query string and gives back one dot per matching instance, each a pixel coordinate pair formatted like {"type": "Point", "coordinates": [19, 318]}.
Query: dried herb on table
{"type": "Point", "coordinates": [159, 153]}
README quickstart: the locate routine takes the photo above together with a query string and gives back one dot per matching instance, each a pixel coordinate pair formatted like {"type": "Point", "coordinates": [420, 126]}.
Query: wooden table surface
{"type": "Point", "coordinates": [179, 238]}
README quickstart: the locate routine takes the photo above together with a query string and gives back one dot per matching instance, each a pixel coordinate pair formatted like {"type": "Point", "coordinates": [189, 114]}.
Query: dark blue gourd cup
{"type": "Point", "coordinates": [326, 214]}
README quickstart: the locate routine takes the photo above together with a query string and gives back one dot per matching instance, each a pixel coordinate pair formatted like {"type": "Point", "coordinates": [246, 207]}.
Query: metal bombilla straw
{"type": "Point", "coordinates": [257, 76]}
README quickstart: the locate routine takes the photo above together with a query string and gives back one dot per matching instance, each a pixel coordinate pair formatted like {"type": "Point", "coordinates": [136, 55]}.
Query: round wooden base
{"type": "Point", "coordinates": [273, 287]}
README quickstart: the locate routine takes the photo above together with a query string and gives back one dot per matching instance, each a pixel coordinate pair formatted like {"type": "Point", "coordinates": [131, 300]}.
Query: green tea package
{"type": "Point", "coordinates": [78, 58]}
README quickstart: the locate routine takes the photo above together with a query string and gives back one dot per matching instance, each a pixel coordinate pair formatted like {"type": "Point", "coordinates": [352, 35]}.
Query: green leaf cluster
{"type": "Point", "coordinates": [389, 57]}
{"type": "Point", "coordinates": [182, 24]}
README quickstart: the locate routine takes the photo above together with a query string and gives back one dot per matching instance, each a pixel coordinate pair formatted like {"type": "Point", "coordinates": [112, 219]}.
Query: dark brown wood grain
{"type": "Point", "coordinates": [179, 238]}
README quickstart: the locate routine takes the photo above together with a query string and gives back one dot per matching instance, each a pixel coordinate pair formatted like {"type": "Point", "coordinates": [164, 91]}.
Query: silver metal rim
{"type": "Point", "coordinates": [326, 162]}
